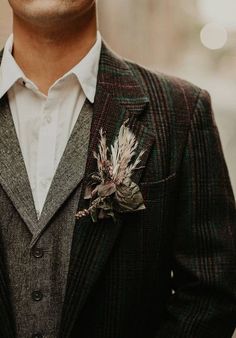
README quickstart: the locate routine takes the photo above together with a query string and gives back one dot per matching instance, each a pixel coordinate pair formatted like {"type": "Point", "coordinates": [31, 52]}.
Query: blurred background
{"type": "Point", "coordinates": [195, 40]}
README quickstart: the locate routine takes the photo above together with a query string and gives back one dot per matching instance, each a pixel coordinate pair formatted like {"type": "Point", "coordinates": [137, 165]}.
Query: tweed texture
{"type": "Point", "coordinates": [119, 280]}
{"type": "Point", "coordinates": [48, 274]}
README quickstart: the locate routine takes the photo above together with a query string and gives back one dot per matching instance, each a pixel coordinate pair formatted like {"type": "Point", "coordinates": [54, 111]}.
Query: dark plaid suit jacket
{"type": "Point", "coordinates": [169, 270]}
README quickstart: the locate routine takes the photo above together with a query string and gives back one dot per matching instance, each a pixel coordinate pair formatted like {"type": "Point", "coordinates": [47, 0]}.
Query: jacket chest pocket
{"type": "Point", "coordinates": [159, 197]}
{"type": "Point", "coordinates": [158, 190]}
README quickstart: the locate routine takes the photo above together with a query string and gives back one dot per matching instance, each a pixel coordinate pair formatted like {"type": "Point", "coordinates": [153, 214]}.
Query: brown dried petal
{"type": "Point", "coordinates": [88, 192]}
{"type": "Point", "coordinates": [106, 189]}
{"type": "Point", "coordinates": [129, 197]}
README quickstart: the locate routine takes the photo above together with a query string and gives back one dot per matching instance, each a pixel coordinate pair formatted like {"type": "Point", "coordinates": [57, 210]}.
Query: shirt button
{"type": "Point", "coordinates": [37, 252]}
{"type": "Point", "coordinates": [37, 295]}
{"type": "Point", "coordinates": [48, 119]}
{"type": "Point", "coordinates": [37, 335]}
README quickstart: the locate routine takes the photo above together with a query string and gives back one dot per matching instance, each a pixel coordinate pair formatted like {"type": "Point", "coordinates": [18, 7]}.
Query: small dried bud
{"type": "Point", "coordinates": [82, 213]}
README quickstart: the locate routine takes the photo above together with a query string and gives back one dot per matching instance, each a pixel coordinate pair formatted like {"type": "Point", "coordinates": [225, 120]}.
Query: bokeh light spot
{"type": "Point", "coordinates": [213, 36]}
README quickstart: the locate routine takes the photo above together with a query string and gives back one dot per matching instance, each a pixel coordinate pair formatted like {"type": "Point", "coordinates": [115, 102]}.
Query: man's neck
{"type": "Point", "coordinates": [46, 55]}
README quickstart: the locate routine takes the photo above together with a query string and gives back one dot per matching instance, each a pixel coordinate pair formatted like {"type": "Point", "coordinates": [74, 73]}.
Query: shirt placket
{"type": "Point", "coordinates": [46, 151]}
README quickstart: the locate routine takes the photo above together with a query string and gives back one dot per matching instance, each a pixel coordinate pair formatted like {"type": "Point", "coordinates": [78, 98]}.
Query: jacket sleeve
{"type": "Point", "coordinates": [203, 303]}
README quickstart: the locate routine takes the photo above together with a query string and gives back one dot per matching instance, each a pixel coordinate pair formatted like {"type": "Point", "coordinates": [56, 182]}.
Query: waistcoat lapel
{"type": "Point", "coordinates": [14, 180]}
{"type": "Point", "coordinates": [13, 174]}
{"type": "Point", "coordinates": [118, 97]}
{"type": "Point", "coordinates": [70, 170]}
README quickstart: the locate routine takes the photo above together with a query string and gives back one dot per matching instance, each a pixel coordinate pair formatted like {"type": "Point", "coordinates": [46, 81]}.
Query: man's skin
{"type": "Point", "coordinates": [64, 29]}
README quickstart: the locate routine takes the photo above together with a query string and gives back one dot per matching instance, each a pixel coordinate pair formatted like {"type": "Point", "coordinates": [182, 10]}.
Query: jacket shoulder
{"type": "Point", "coordinates": [166, 89]}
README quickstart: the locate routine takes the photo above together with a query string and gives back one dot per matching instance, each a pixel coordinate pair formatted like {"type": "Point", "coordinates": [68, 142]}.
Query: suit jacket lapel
{"type": "Point", "coordinates": [118, 97]}
{"type": "Point", "coordinates": [13, 174]}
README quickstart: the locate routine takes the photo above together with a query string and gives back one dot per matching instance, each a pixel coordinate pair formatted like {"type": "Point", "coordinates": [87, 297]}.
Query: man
{"type": "Point", "coordinates": [164, 271]}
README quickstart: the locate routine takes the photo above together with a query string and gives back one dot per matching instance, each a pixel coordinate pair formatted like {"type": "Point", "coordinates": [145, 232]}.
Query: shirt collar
{"type": "Point", "coordinates": [86, 70]}
{"type": "Point", "coordinates": [10, 72]}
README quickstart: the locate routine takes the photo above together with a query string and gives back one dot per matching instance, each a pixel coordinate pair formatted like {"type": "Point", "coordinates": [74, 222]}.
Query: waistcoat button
{"type": "Point", "coordinates": [37, 252]}
{"type": "Point", "coordinates": [37, 295]}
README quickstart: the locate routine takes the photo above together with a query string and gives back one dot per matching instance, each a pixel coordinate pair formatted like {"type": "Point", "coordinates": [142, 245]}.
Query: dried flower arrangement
{"type": "Point", "coordinates": [111, 190]}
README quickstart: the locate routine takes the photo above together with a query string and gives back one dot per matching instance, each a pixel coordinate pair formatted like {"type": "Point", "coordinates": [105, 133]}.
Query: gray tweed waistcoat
{"type": "Point", "coordinates": [38, 251]}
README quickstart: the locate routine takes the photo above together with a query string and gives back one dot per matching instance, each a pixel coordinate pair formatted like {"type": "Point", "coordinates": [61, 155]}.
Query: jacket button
{"type": "Point", "coordinates": [37, 335]}
{"type": "Point", "coordinates": [37, 252]}
{"type": "Point", "coordinates": [37, 295]}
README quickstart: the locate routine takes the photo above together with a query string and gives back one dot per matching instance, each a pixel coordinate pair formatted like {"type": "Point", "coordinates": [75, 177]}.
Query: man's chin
{"type": "Point", "coordinates": [48, 13]}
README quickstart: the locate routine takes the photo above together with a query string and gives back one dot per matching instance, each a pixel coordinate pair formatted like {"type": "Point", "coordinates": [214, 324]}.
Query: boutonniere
{"type": "Point", "coordinates": [111, 189]}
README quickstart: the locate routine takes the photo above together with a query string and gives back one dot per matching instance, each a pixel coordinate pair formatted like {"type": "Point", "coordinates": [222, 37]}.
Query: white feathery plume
{"type": "Point", "coordinates": [101, 156]}
{"type": "Point", "coordinates": [122, 152]}
{"type": "Point", "coordinates": [116, 160]}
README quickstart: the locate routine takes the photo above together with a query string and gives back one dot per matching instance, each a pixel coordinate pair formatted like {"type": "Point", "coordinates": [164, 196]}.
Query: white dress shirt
{"type": "Point", "coordinates": [44, 123]}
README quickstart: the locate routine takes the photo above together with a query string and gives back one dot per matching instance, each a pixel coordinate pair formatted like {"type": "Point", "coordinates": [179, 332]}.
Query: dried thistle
{"type": "Point", "coordinates": [111, 189]}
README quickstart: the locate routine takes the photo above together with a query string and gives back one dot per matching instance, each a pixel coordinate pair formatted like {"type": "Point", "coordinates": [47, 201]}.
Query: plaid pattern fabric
{"type": "Point", "coordinates": [119, 281]}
